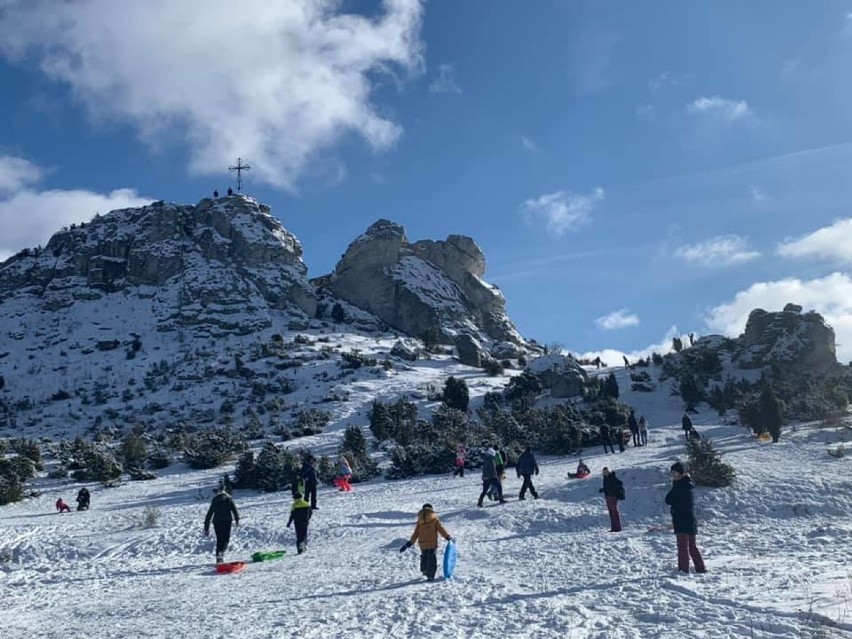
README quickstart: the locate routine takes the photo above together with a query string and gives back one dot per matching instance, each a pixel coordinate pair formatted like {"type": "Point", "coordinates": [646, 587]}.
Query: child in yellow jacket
{"type": "Point", "coordinates": [426, 535]}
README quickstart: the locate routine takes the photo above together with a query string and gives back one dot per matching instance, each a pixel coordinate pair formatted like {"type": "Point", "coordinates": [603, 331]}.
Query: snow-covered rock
{"type": "Point", "coordinates": [562, 374]}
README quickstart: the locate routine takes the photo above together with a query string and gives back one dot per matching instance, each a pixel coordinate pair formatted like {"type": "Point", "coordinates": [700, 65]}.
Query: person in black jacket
{"type": "Point", "coordinates": [613, 490]}
{"type": "Point", "coordinates": [606, 437]}
{"type": "Point", "coordinates": [686, 425]}
{"type": "Point", "coordinates": [221, 511]}
{"type": "Point", "coordinates": [633, 425]}
{"type": "Point", "coordinates": [308, 475]}
{"type": "Point", "coordinates": [83, 499]}
{"type": "Point", "coordinates": [683, 519]}
{"type": "Point", "coordinates": [300, 514]}
{"type": "Point", "coordinates": [526, 467]}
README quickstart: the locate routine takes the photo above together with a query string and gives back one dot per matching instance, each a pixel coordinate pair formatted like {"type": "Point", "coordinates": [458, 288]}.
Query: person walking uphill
{"type": "Point", "coordinates": [643, 430]}
{"type": "Point", "coordinates": [613, 490]}
{"type": "Point", "coordinates": [490, 480]}
{"type": "Point", "coordinates": [426, 535]}
{"type": "Point", "coordinates": [633, 425]}
{"type": "Point", "coordinates": [606, 438]}
{"type": "Point", "coordinates": [683, 519]}
{"type": "Point", "coordinates": [222, 511]}
{"type": "Point", "coordinates": [300, 514]}
{"type": "Point", "coordinates": [308, 475]}
{"type": "Point", "coordinates": [686, 425]}
{"type": "Point", "coordinates": [526, 467]}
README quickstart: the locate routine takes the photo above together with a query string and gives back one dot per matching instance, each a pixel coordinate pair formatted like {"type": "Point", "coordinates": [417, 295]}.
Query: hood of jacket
{"type": "Point", "coordinates": [426, 515]}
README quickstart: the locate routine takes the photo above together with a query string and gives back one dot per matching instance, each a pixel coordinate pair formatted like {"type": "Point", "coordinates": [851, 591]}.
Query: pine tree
{"type": "Point", "coordinates": [610, 386]}
{"type": "Point", "coordinates": [456, 394]}
{"type": "Point", "coordinates": [706, 466]}
{"type": "Point", "coordinates": [770, 412]}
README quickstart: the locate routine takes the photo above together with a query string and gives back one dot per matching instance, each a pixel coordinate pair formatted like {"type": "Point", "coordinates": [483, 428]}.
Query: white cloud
{"type": "Point", "coordinates": [562, 211]}
{"type": "Point", "coordinates": [616, 320]}
{"type": "Point", "coordinates": [723, 250]}
{"type": "Point", "coordinates": [613, 357]}
{"type": "Point", "coordinates": [15, 173]}
{"type": "Point", "coordinates": [528, 144]}
{"type": "Point", "coordinates": [830, 296]}
{"type": "Point", "coordinates": [728, 110]}
{"type": "Point", "coordinates": [278, 83]}
{"type": "Point", "coordinates": [29, 217]}
{"type": "Point", "coordinates": [646, 112]}
{"type": "Point", "coordinates": [831, 242]}
{"type": "Point", "coordinates": [446, 81]}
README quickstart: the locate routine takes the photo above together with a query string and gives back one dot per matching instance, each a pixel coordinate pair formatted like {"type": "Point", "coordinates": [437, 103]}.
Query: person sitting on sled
{"type": "Point", "coordinates": [62, 507]}
{"type": "Point", "coordinates": [583, 469]}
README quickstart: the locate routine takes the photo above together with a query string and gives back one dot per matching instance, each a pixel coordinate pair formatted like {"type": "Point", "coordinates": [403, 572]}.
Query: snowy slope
{"type": "Point", "coordinates": [775, 544]}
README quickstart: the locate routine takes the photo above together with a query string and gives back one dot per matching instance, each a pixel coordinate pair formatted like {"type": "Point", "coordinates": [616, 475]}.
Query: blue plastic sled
{"type": "Point", "coordinates": [450, 557]}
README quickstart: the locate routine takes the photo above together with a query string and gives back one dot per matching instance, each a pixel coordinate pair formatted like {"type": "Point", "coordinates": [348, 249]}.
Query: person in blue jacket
{"type": "Point", "coordinates": [526, 467]}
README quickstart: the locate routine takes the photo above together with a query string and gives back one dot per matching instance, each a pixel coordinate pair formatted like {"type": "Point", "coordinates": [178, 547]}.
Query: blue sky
{"type": "Point", "coordinates": [626, 167]}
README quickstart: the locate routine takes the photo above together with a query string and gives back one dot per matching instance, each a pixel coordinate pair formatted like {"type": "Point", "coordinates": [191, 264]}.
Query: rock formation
{"type": "Point", "coordinates": [786, 339]}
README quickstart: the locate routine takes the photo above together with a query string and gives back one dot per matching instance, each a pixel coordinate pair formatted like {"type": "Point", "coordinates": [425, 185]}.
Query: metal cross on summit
{"type": "Point", "coordinates": [239, 168]}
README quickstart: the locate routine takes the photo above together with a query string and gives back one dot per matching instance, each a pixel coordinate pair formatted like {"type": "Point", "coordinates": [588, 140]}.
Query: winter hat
{"type": "Point", "coordinates": [677, 467]}
{"type": "Point", "coordinates": [427, 506]}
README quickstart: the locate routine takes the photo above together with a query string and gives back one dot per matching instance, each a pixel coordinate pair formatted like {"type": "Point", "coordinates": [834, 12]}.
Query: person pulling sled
{"type": "Point", "coordinates": [223, 512]}
{"type": "Point", "coordinates": [426, 535]}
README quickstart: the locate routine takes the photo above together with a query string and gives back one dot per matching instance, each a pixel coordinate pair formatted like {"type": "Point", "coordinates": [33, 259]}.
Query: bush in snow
{"type": "Point", "coordinates": [310, 422]}
{"type": "Point", "coordinates": [419, 459]}
{"type": "Point", "coordinates": [386, 420]}
{"type": "Point", "coordinates": [159, 457]}
{"type": "Point", "coordinates": [11, 487]}
{"type": "Point", "coordinates": [28, 448]}
{"type": "Point", "coordinates": [456, 394]}
{"type": "Point", "coordinates": [706, 466]}
{"type": "Point", "coordinates": [770, 412]}
{"type": "Point", "coordinates": [212, 448]}
{"type": "Point", "coordinates": [337, 313]}
{"type": "Point", "coordinates": [245, 472]}
{"type": "Point", "coordinates": [133, 451]}
{"type": "Point", "coordinates": [97, 464]}
{"type": "Point", "coordinates": [276, 468]}
{"type": "Point", "coordinates": [326, 469]}
{"type": "Point", "coordinates": [522, 390]}
{"type": "Point", "coordinates": [148, 518]}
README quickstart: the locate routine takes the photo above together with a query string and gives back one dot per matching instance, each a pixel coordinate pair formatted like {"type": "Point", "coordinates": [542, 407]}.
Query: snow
{"type": "Point", "coordinates": [774, 542]}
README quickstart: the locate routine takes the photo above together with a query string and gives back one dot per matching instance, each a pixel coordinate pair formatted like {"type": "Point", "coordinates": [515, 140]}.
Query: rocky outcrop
{"type": "Point", "coordinates": [787, 340]}
{"type": "Point", "coordinates": [222, 264]}
{"type": "Point", "coordinates": [470, 351]}
{"type": "Point", "coordinates": [405, 350]}
{"type": "Point", "coordinates": [428, 286]}
{"type": "Point", "coordinates": [561, 374]}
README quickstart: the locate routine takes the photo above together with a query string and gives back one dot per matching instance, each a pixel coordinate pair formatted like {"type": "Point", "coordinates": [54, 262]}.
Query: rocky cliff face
{"type": "Point", "coordinates": [787, 339]}
{"type": "Point", "coordinates": [427, 286]}
{"type": "Point", "coordinates": [221, 265]}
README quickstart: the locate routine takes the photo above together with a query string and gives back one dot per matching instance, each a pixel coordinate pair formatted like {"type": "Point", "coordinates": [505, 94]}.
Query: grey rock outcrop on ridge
{"type": "Point", "coordinates": [432, 286]}
{"type": "Point", "coordinates": [221, 265]}
{"type": "Point", "coordinates": [561, 374]}
{"type": "Point", "coordinates": [786, 339]}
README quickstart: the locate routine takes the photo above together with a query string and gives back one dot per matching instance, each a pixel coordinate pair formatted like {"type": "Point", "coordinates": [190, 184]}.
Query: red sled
{"type": "Point", "coordinates": [578, 475]}
{"type": "Point", "coordinates": [230, 567]}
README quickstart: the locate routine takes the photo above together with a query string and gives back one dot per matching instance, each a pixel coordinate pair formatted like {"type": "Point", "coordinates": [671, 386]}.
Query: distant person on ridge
{"type": "Point", "coordinates": [83, 499]}
{"type": "Point", "coordinates": [222, 511]}
{"type": "Point", "coordinates": [308, 475]}
{"type": "Point", "coordinates": [683, 519]}
{"type": "Point", "coordinates": [62, 507]}
{"type": "Point", "coordinates": [230, 191]}
{"type": "Point", "coordinates": [606, 438]}
{"type": "Point", "coordinates": [300, 514]}
{"type": "Point", "coordinates": [643, 430]}
{"type": "Point", "coordinates": [633, 425]}
{"type": "Point", "coordinates": [626, 361]}
{"type": "Point", "coordinates": [526, 467]}
{"type": "Point", "coordinates": [215, 193]}
{"type": "Point", "coordinates": [426, 535]}
{"type": "Point", "coordinates": [490, 479]}
{"type": "Point", "coordinates": [613, 490]}
{"type": "Point", "coordinates": [686, 425]}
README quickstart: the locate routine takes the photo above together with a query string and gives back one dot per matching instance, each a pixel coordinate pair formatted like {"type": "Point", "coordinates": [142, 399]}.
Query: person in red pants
{"type": "Point", "coordinates": [62, 507]}
{"type": "Point", "coordinates": [683, 519]}
{"type": "Point", "coordinates": [344, 474]}
{"type": "Point", "coordinates": [613, 490]}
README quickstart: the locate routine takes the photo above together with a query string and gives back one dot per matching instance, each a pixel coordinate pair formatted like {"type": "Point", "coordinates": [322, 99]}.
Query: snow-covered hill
{"type": "Point", "coordinates": [775, 543]}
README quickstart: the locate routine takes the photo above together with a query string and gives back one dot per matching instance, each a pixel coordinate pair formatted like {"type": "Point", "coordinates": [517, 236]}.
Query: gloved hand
{"type": "Point", "coordinates": [405, 546]}
{"type": "Point", "coordinates": [450, 540]}
{"type": "Point", "coordinates": [288, 525]}
{"type": "Point", "coordinates": [206, 532]}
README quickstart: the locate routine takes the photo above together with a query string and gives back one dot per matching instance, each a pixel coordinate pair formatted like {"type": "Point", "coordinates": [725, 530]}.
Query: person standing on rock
{"type": "Point", "coordinates": [613, 490]}
{"type": "Point", "coordinates": [683, 519]}
{"type": "Point", "coordinates": [490, 479]}
{"type": "Point", "coordinates": [606, 438]}
{"type": "Point", "coordinates": [222, 511]}
{"type": "Point", "coordinates": [526, 467]}
{"type": "Point", "coordinates": [300, 514]}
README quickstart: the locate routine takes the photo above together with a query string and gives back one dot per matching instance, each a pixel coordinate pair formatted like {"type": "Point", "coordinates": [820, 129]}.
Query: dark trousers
{"type": "Point", "coordinates": [614, 516]}
{"type": "Point", "coordinates": [608, 442]}
{"type": "Point", "coordinates": [301, 536]}
{"type": "Point", "coordinates": [459, 471]}
{"type": "Point", "coordinates": [223, 535]}
{"type": "Point", "coordinates": [428, 563]}
{"type": "Point", "coordinates": [311, 491]}
{"type": "Point", "coordinates": [643, 437]}
{"type": "Point", "coordinates": [635, 434]}
{"type": "Point", "coordinates": [528, 484]}
{"type": "Point", "coordinates": [686, 548]}
{"type": "Point", "coordinates": [491, 484]}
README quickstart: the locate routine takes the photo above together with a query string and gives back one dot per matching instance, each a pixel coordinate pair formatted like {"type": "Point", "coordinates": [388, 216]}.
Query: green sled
{"type": "Point", "coordinates": [266, 556]}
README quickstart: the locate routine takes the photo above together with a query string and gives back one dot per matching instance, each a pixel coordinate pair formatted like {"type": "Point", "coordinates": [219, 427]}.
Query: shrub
{"type": "Point", "coordinates": [354, 359]}
{"type": "Point", "coordinates": [770, 412]}
{"type": "Point", "coordinates": [522, 390]}
{"type": "Point", "coordinates": [310, 421]}
{"type": "Point", "coordinates": [212, 448]}
{"type": "Point", "coordinates": [11, 488]}
{"type": "Point", "coordinates": [706, 466]}
{"type": "Point", "coordinates": [133, 451]}
{"type": "Point", "coordinates": [354, 447]}
{"type": "Point", "coordinates": [337, 313]}
{"type": "Point", "coordinates": [276, 468]}
{"type": "Point", "coordinates": [430, 338]}
{"type": "Point", "coordinates": [609, 388]}
{"type": "Point", "coordinates": [387, 421]}
{"type": "Point", "coordinates": [245, 472]}
{"type": "Point", "coordinates": [690, 390]}
{"type": "Point", "coordinates": [326, 469]}
{"type": "Point", "coordinates": [456, 394]}
{"type": "Point", "coordinates": [159, 458]}
{"type": "Point", "coordinates": [148, 518]}
{"type": "Point", "coordinates": [492, 367]}
{"type": "Point", "coordinates": [98, 465]}
{"type": "Point", "coordinates": [419, 459]}
{"type": "Point", "coordinates": [28, 448]}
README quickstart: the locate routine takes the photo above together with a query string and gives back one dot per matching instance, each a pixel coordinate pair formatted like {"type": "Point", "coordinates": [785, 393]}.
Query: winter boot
{"type": "Point", "coordinates": [219, 558]}
{"type": "Point", "coordinates": [479, 503]}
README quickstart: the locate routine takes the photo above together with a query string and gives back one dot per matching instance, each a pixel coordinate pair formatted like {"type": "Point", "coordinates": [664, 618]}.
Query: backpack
{"type": "Point", "coordinates": [621, 495]}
